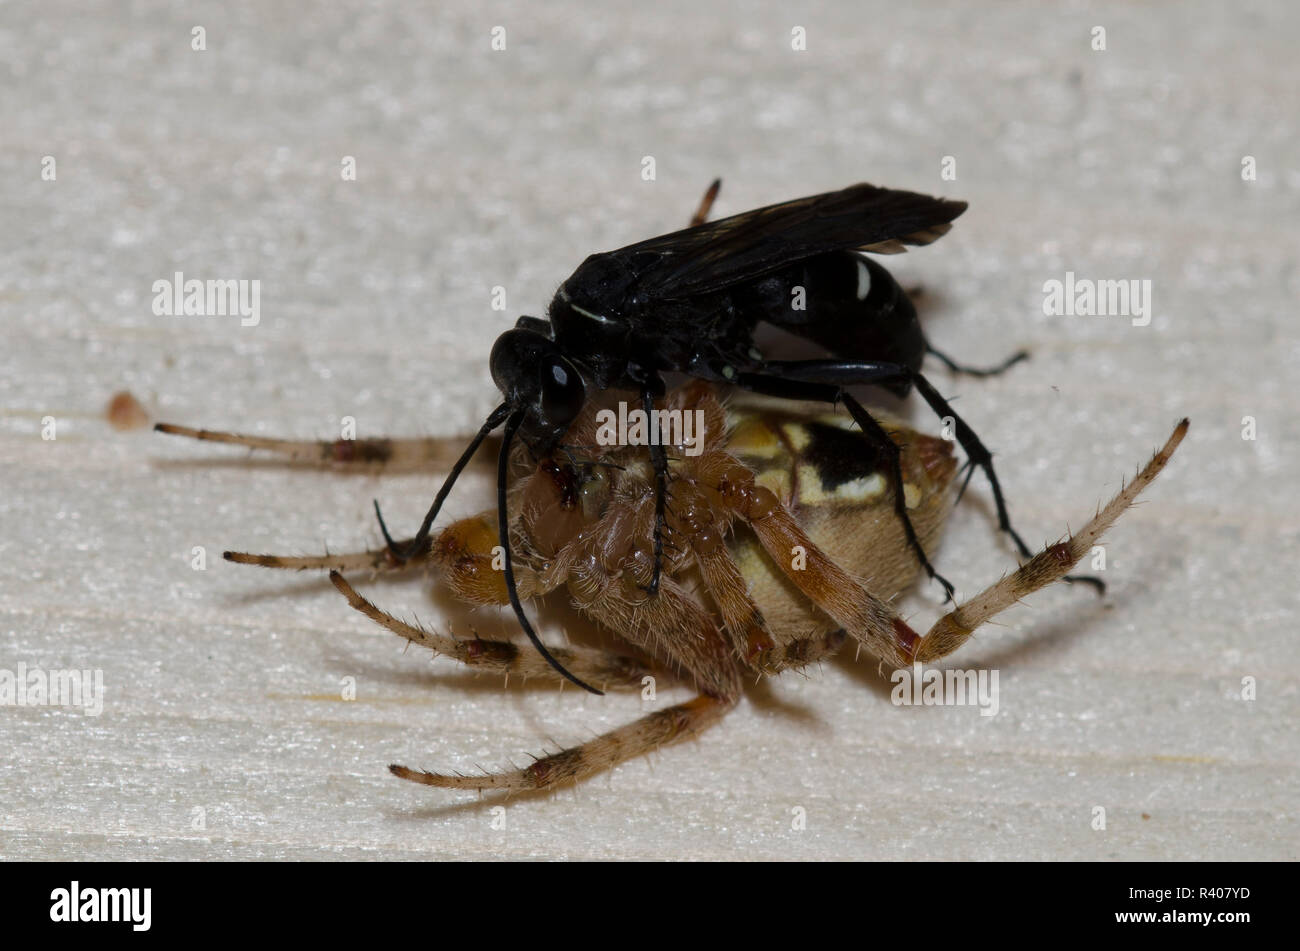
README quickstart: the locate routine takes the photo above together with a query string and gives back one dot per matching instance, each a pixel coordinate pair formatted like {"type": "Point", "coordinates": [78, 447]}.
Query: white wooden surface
{"type": "Point", "coordinates": [481, 168]}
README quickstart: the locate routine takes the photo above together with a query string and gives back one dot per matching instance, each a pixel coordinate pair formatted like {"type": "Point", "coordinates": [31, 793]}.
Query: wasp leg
{"type": "Point", "coordinates": [953, 629]}
{"type": "Point", "coordinates": [603, 667]}
{"type": "Point", "coordinates": [875, 623]}
{"type": "Point", "coordinates": [915, 293]}
{"type": "Point", "coordinates": [875, 435]}
{"type": "Point", "coordinates": [956, 367]}
{"type": "Point", "coordinates": [609, 749]}
{"type": "Point", "coordinates": [841, 373]}
{"type": "Point", "coordinates": [706, 203]}
{"type": "Point", "coordinates": [394, 453]}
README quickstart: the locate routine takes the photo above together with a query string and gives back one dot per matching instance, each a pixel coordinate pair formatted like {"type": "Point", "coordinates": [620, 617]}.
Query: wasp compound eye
{"type": "Point", "coordinates": [563, 392]}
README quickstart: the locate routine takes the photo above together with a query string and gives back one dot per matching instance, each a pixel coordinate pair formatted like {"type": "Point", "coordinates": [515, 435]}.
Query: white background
{"type": "Point", "coordinates": [481, 168]}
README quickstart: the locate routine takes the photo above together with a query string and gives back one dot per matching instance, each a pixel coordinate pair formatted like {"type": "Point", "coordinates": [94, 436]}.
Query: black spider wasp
{"type": "Point", "coordinates": [690, 302]}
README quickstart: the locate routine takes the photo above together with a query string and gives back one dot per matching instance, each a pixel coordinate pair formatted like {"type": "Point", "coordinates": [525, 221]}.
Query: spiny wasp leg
{"type": "Point", "coordinates": [965, 370]}
{"type": "Point", "coordinates": [823, 376]}
{"type": "Point", "coordinates": [784, 387]}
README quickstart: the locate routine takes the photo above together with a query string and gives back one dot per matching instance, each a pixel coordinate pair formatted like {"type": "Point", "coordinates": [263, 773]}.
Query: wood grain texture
{"type": "Point", "coordinates": [479, 169]}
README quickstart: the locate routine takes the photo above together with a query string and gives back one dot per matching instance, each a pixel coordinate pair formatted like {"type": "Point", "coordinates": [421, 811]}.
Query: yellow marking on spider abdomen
{"type": "Point", "coordinates": [797, 435]}
{"type": "Point", "coordinates": [862, 490]}
{"type": "Point", "coordinates": [753, 437]}
{"type": "Point", "coordinates": [778, 480]}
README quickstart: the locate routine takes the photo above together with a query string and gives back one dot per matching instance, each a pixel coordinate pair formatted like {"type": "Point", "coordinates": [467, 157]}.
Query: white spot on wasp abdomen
{"type": "Point", "coordinates": [864, 280]}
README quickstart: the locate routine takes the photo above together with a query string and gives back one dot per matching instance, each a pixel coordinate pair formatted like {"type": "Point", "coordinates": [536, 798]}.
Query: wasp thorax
{"type": "Point", "coordinates": [602, 341]}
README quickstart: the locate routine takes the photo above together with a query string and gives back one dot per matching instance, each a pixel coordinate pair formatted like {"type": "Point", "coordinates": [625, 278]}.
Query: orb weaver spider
{"type": "Point", "coordinates": [780, 545]}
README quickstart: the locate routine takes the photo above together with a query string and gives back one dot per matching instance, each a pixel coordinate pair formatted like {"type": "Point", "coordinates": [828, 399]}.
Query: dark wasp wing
{"type": "Point", "coordinates": [729, 251]}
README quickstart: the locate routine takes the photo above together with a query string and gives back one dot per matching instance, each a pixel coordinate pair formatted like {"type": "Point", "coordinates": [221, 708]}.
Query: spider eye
{"type": "Point", "coordinates": [563, 391]}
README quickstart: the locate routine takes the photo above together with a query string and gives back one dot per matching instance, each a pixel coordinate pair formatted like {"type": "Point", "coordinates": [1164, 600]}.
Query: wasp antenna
{"type": "Point", "coordinates": [495, 419]}
{"type": "Point", "coordinates": [503, 534]}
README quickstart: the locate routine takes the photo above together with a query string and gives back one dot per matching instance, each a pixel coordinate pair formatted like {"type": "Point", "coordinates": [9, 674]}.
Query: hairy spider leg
{"type": "Point", "coordinates": [386, 452]}
{"type": "Point", "coordinates": [604, 667]}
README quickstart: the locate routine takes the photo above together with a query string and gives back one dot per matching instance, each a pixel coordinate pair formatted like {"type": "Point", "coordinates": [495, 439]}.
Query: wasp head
{"type": "Point", "coordinates": [536, 377]}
